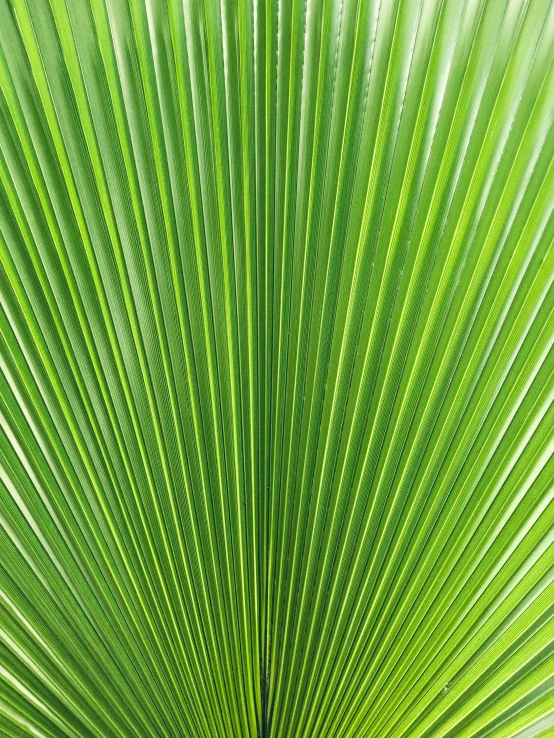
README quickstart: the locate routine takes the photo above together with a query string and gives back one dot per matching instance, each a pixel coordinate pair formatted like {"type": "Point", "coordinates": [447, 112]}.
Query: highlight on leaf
{"type": "Point", "coordinates": [277, 368]}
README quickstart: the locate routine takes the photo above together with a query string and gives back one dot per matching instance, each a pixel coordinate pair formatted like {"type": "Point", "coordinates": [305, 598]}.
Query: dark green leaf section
{"type": "Point", "coordinates": [277, 368]}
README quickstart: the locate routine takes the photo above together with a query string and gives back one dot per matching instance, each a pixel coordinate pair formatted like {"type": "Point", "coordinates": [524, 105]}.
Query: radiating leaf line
{"type": "Point", "coordinates": [277, 379]}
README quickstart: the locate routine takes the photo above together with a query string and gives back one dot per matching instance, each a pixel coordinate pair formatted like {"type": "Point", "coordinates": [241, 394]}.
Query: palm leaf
{"type": "Point", "coordinates": [277, 368]}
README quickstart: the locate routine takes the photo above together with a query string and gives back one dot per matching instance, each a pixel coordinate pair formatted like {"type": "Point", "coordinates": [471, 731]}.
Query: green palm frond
{"type": "Point", "coordinates": [277, 368]}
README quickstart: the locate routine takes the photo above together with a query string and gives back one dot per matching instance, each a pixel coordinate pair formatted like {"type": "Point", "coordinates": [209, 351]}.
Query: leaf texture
{"type": "Point", "coordinates": [277, 368]}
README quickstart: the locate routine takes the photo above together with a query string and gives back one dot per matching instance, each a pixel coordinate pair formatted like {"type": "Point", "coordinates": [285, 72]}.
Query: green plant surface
{"type": "Point", "coordinates": [277, 368]}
